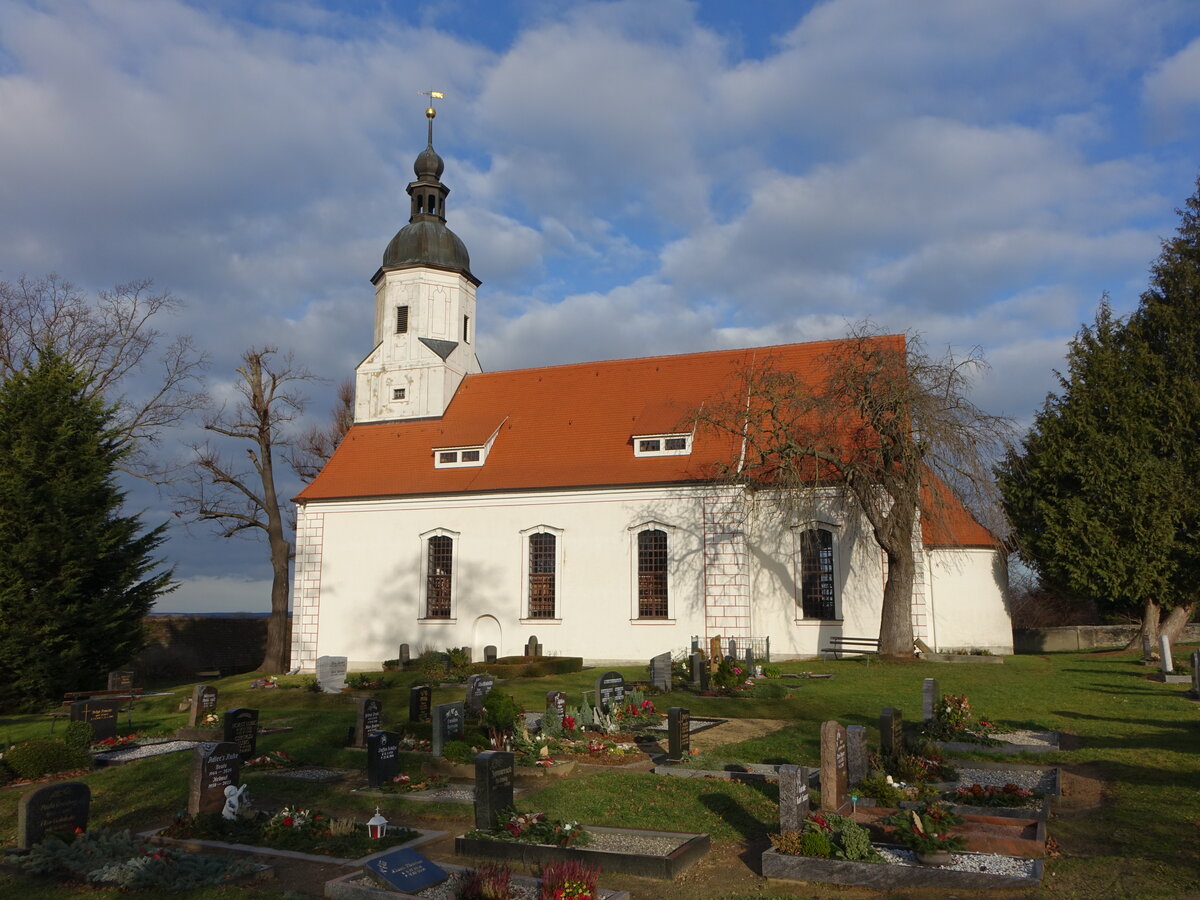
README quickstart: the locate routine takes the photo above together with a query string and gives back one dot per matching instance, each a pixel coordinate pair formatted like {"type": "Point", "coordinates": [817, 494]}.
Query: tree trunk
{"type": "Point", "coordinates": [1177, 620]}
{"type": "Point", "coordinates": [277, 658]}
{"type": "Point", "coordinates": [1147, 637]}
{"type": "Point", "coordinates": [895, 624]}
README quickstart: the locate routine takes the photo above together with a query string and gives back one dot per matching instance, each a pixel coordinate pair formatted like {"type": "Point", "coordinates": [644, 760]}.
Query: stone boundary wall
{"type": "Point", "coordinates": [1082, 637]}
{"type": "Point", "coordinates": [181, 644]}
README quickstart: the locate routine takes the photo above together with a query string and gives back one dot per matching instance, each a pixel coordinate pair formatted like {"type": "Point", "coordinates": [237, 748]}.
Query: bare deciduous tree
{"type": "Point", "coordinates": [313, 449]}
{"type": "Point", "coordinates": [240, 497]}
{"type": "Point", "coordinates": [883, 425]}
{"type": "Point", "coordinates": [111, 342]}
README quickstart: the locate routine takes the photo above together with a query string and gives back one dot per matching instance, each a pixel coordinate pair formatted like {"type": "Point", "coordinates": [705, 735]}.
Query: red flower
{"type": "Point", "coordinates": [288, 820]}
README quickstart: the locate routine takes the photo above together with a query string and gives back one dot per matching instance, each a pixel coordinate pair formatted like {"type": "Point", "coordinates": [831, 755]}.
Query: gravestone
{"type": "Point", "coordinates": [856, 753]}
{"type": "Point", "coordinates": [891, 732]}
{"type": "Point", "coordinates": [531, 648]}
{"type": "Point", "coordinates": [100, 714]}
{"type": "Point", "coordinates": [489, 653]}
{"type": "Point", "coordinates": [405, 654]}
{"type": "Point", "coordinates": [930, 698]}
{"type": "Point", "coordinates": [240, 727]}
{"type": "Point", "coordinates": [54, 809]}
{"type": "Point", "coordinates": [1196, 674]}
{"type": "Point", "coordinates": [121, 680]}
{"type": "Point", "coordinates": [447, 725]}
{"type": "Point", "coordinates": [793, 797]}
{"type": "Point", "coordinates": [331, 673]}
{"type": "Point", "coordinates": [714, 652]}
{"type": "Point", "coordinates": [420, 696]}
{"type": "Point", "coordinates": [679, 733]}
{"type": "Point", "coordinates": [610, 691]}
{"type": "Point", "coordinates": [215, 766]}
{"type": "Point", "coordinates": [204, 703]}
{"type": "Point", "coordinates": [557, 701]}
{"type": "Point", "coordinates": [382, 760]}
{"type": "Point", "coordinates": [660, 672]}
{"type": "Point", "coordinates": [405, 870]}
{"type": "Point", "coordinates": [367, 720]}
{"type": "Point", "coordinates": [1166, 663]}
{"type": "Point", "coordinates": [732, 649]}
{"type": "Point", "coordinates": [705, 679]}
{"type": "Point", "coordinates": [493, 787]}
{"type": "Point", "coordinates": [1145, 646]}
{"type": "Point", "coordinates": [697, 661]}
{"type": "Point", "coordinates": [749, 661]}
{"type": "Point", "coordinates": [834, 762]}
{"type": "Point", "coordinates": [478, 687]}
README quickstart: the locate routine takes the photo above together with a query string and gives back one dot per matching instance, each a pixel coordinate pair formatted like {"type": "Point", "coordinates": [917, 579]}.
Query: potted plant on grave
{"type": "Point", "coordinates": [926, 831]}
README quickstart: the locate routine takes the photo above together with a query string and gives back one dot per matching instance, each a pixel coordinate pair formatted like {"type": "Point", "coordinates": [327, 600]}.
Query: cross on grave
{"type": "Point", "coordinates": [100, 714]}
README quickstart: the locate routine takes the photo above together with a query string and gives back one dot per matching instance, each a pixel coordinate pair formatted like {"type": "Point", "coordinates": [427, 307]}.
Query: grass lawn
{"type": "Point", "coordinates": [1141, 738]}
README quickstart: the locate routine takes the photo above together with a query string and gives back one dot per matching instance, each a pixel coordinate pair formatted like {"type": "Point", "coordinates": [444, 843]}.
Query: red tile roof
{"type": "Point", "coordinates": [560, 427]}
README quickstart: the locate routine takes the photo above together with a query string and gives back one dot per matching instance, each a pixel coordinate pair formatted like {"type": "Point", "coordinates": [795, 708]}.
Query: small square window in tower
{"type": "Point", "coordinates": [401, 320]}
{"type": "Point", "coordinates": [398, 393]}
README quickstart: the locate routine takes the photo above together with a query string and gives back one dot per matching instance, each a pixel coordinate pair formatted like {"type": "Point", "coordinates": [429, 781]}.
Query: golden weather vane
{"type": "Point", "coordinates": [430, 112]}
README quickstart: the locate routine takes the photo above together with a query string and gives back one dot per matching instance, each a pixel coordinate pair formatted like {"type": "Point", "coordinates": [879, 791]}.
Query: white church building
{"type": "Point", "coordinates": [576, 503]}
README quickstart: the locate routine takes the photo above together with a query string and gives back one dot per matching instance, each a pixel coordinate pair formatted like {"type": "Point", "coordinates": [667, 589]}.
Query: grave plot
{"type": "Point", "coordinates": [965, 871]}
{"type": "Point", "coordinates": [955, 728]}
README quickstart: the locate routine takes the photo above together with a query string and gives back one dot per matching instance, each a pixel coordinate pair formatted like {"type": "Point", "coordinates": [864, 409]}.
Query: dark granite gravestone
{"type": "Point", "coordinates": [891, 732]}
{"type": "Point", "coordinates": [420, 696]}
{"type": "Point", "coordinates": [557, 701]}
{"type": "Point", "coordinates": [215, 766]}
{"type": "Point", "coordinates": [55, 809]}
{"type": "Point", "coordinates": [447, 725]}
{"type": "Point", "coordinates": [856, 753]}
{"type": "Point", "coordinates": [121, 680]}
{"type": "Point", "coordinates": [660, 672]}
{"type": "Point", "coordinates": [679, 733]}
{"type": "Point", "coordinates": [478, 687]}
{"type": "Point", "coordinates": [930, 698]}
{"type": "Point", "coordinates": [732, 649]}
{"type": "Point", "coordinates": [382, 760]}
{"type": "Point", "coordinates": [610, 691]}
{"type": "Point", "coordinates": [100, 714]}
{"type": "Point", "coordinates": [368, 719]}
{"type": "Point", "coordinates": [1196, 674]}
{"type": "Point", "coordinates": [1165, 662]}
{"type": "Point", "coordinates": [489, 653]}
{"type": "Point", "coordinates": [697, 662]}
{"type": "Point", "coordinates": [834, 762]}
{"type": "Point", "coordinates": [405, 870]}
{"type": "Point", "coordinates": [331, 673]}
{"type": "Point", "coordinates": [793, 797]}
{"type": "Point", "coordinates": [748, 661]}
{"type": "Point", "coordinates": [204, 703]}
{"type": "Point", "coordinates": [404, 655]}
{"type": "Point", "coordinates": [493, 787]}
{"type": "Point", "coordinates": [705, 679]}
{"type": "Point", "coordinates": [241, 728]}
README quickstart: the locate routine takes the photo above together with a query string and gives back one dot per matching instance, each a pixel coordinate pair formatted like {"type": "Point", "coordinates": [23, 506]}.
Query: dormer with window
{"type": "Point", "coordinates": [662, 444]}
{"type": "Point", "coordinates": [465, 454]}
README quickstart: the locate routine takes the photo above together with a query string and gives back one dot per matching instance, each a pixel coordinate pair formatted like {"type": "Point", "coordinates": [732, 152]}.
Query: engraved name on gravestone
{"type": "Point", "coordinates": [55, 809]}
{"type": "Point", "coordinates": [241, 728]}
{"type": "Point", "coordinates": [610, 691]}
{"type": "Point", "coordinates": [215, 766]}
{"type": "Point", "coordinates": [1166, 663]}
{"type": "Point", "coordinates": [382, 760]}
{"type": "Point", "coordinates": [478, 687]}
{"type": "Point", "coordinates": [834, 776]}
{"type": "Point", "coordinates": [793, 797]}
{"type": "Point", "coordinates": [929, 699]}
{"type": "Point", "coordinates": [405, 870]}
{"type": "Point", "coordinates": [856, 753]}
{"type": "Point", "coordinates": [420, 696]}
{"type": "Point", "coordinates": [368, 719]}
{"type": "Point", "coordinates": [489, 653]}
{"type": "Point", "coordinates": [447, 725]}
{"type": "Point", "coordinates": [121, 680]}
{"type": "Point", "coordinates": [331, 673]}
{"type": "Point", "coordinates": [493, 787]}
{"type": "Point", "coordinates": [660, 672]}
{"type": "Point", "coordinates": [204, 703]}
{"type": "Point", "coordinates": [679, 732]}
{"type": "Point", "coordinates": [557, 701]}
{"type": "Point", "coordinates": [891, 731]}
{"type": "Point", "coordinates": [100, 714]}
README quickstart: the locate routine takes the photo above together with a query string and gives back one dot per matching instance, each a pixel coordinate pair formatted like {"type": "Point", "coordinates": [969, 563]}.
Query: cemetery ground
{"type": "Point", "coordinates": [1128, 824]}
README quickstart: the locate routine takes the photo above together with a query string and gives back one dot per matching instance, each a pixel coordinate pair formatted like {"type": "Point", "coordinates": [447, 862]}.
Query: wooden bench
{"type": "Point", "coordinates": [842, 645]}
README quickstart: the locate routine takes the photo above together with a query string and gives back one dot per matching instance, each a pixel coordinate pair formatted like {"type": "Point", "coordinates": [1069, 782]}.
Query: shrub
{"type": "Point", "coordinates": [568, 878]}
{"type": "Point", "coordinates": [459, 752]}
{"type": "Point", "coordinates": [33, 759]}
{"type": "Point", "coordinates": [551, 723]}
{"type": "Point", "coordinates": [770, 670]}
{"type": "Point", "coordinates": [78, 736]}
{"type": "Point", "coordinates": [769, 690]}
{"type": "Point", "coordinates": [489, 882]}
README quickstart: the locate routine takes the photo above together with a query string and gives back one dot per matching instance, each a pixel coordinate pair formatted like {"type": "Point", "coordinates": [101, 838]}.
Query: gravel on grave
{"type": "Point", "coordinates": [144, 750]}
{"type": "Point", "coordinates": [445, 795]}
{"type": "Point", "coordinates": [1039, 782]}
{"type": "Point", "coordinates": [306, 773]}
{"type": "Point", "coordinates": [990, 863]}
{"type": "Point", "coordinates": [1032, 738]}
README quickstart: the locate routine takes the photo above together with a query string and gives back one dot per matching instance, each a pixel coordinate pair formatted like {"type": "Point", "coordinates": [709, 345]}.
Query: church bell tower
{"type": "Point", "coordinates": [424, 309]}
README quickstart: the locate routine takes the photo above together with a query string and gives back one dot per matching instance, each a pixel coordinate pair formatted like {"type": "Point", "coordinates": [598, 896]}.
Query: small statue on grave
{"type": "Point", "coordinates": [234, 798]}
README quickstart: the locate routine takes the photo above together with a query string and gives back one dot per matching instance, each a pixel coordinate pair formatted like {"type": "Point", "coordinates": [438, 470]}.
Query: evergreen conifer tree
{"type": "Point", "coordinates": [76, 575]}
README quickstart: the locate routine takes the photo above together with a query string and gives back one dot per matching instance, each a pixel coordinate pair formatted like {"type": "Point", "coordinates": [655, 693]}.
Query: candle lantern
{"type": "Point", "coordinates": [377, 825]}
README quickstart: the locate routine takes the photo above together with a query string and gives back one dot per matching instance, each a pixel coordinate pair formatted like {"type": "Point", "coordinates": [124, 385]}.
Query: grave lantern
{"type": "Point", "coordinates": [377, 825]}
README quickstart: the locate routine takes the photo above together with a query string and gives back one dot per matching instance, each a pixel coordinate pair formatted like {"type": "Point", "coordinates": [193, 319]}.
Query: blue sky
{"type": "Point", "coordinates": [629, 177]}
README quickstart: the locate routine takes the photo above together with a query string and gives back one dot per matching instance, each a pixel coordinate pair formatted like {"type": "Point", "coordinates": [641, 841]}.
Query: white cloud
{"type": "Point", "coordinates": [1171, 92]}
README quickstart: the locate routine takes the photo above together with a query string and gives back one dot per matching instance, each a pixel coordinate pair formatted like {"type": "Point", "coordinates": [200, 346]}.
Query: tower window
{"type": "Point", "coordinates": [401, 320]}
{"type": "Point", "coordinates": [398, 393]}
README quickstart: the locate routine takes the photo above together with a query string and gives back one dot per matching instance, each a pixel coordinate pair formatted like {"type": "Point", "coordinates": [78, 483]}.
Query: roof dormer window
{"type": "Point", "coordinates": [459, 457]}
{"type": "Point", "coordinates": [662, 444]}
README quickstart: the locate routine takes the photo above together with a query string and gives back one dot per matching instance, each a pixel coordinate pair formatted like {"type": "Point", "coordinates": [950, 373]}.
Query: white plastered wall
{"type": "Point", "coordinates": [969, 600]}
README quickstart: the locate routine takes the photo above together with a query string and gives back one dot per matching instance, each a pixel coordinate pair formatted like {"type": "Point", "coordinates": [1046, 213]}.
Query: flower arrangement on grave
{"type": "Point", "coordinates": [209, 720]}
{"type": "Point", "coordinates": [360, 681]}
{"type": "Point", "coordinates": [270, 681]}
{"type": "Point", "coordinates": [637, 712]}
{"type": "Point", "coordinates": [273, 759]}
{"type": "Point", "coordinates": [990, 795]}
{"type": "Point", "coordinates": [568, 879]}
{"type": "Point", "coordinates": [536, 828]}
{"type": "Point", "coordinates": [953, 720]}
{"type": "Point", "coordinates": [828, 836]}
{"type": "Point", "coordinates": [291, 828]}
{"type": "Point", "coordinates": [888, 791]}
{"type": "Point", "coordinates": [112, 743]}
{"type": "Point", "coordinates": [926, 829]}
{"type": "Point", "coordinates": [406, 784]}
{"type": "Point", "coordinates": [926, 764]}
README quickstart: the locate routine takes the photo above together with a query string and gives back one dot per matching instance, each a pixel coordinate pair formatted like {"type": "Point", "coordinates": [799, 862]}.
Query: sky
{"type": "Point", "coordinates": [630, 178]}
